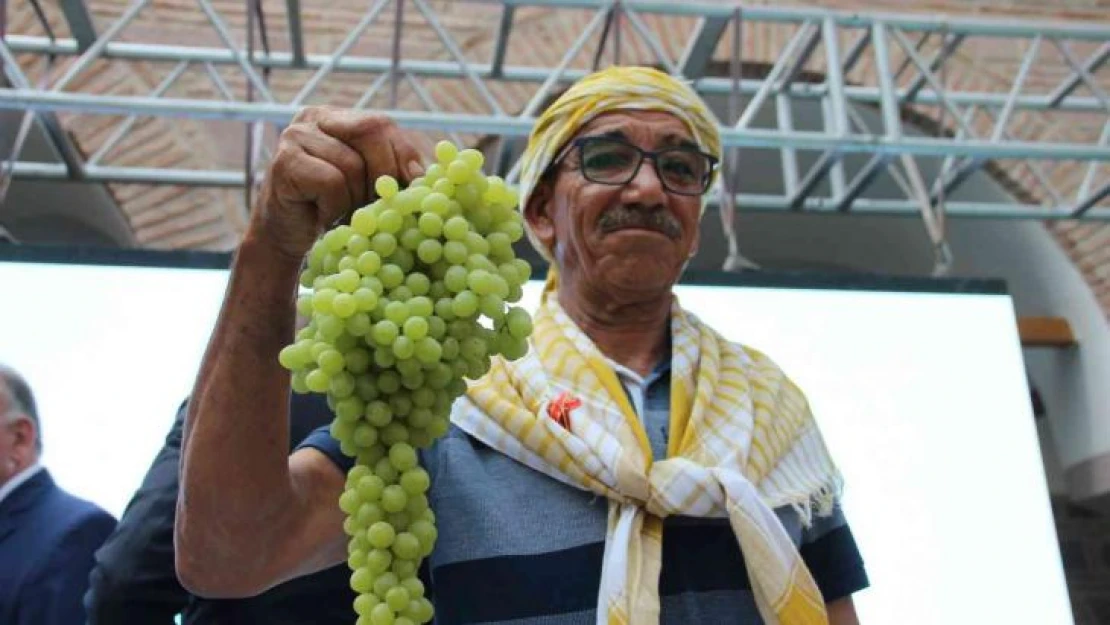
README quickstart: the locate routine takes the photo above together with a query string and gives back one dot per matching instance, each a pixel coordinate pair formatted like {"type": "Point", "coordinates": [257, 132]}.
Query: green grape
{"type": "Point", "coordinates": [473, 159]}
{"type": "Point", "coordinates": [386, 187]}
{"type": "Point", "coordinates": [456, 278]}
{"type": "Point", "coordinates": [304, 305]}
{"type": "Point", "coordinates": [369, 513]}
{"type": "Point", "coordinates": [366, 299]}
{"type": "Point", "coordinates": [419, 417]}
{"type": "Point", "coordinates": [381, 535]}
{"type": "Point", "coordinates": [356, 473]}
{"type": "Point", "coordinates": [322, 300]}
{"type": "Point", "coordinates": [414, 586]}
{"type": "Point", "coordinates": [366, 602]}
{"type": "Point", "coordinates": [456, 228]}
{"type": "Point", "coordinates": [368, 262]}
{"type": "Point", "coordinates": [418, 283]}
{"type": "Point", "coordinates": [512, 347]}
{"type": "Point", "coordinates": [391, 276]}
{"type": "Point", "coordinates": [421, 305]}
{"type": "Point", "coordinates": [349, 501]}
{"type": "Point", "coordinates": [362, 580]}
{"type": "Point", "coordinates": [435, 203]}
{"type": "Point", "coordinates": [384, 332]}
{"type": "Point", "coordinates": [383, 356]}
{"type": "Point", "coordinates": [404, 259]}
{"type": "Point", "coordinates": [364, 222]}
{"type": "Point", "coordinates": [476, 243]}
{"type": "Point", "coordinates": [465, 304]}
{"type": "Point", "coordinates": [397, 598]}
{"type": "Point", "coordinates": [415, 480]}
{"type": "Point", "coordinates": [379, 560]}
{"type": "Point", "coordinates": [469, 197]}
{"type": "Point", "coordinates": [336, 239]}
{"type": "Point", "coordinates": [369, 485]}
{"type": "Point", "coordinates": [415, 328]}
{"type": "Point", "coordinates": [385, 470]}
{"type": "Point", "coordinates": [431, 225]}
{"type": "Point", "coordinates": [481, 282]}
{"type": "Point", "coordinates": [432, 173]}
{"type": "Point", "coordinates": [438, 427]}
{"type": "Point", "coordinates": [394, 498]}
{"type": "Point", "coordinates": [390, 221]}
{"type": "Point", "coordinates": [382, 614]}
{"type": "Point", "coordinates": [401, 293]}
{"type": "Point", "coordinates": [411, 239]}
{"type": "Point", "coordinates": [437, 327]}
{"type": "Point", "coordinates": [518, 322]}
{"type": "Point", "coordinates": [406, 546]}
{"type": "Point", "coordinates": [373, 283]}
{"type": "Point", "coordinates": [395, 433]}
{"type": "Point", "coordinates": [400, 403]}
{"type": "Point", "coordinates": [403, 347]}
{"type": "Point", "coordinates": [429, 251]}
{"type": "Point", "coordinates": [444, 309]}
{"type": "Point", "coordinates": [356, 560]}
{"type": "Point", "coordinates": [389, 382]}
{"type": "Point", "coordinates": [445, 152]}
{"type": "Point", "coordinates": [384, 583]}
{"type": "Point", "coordinates": [399, 520]}
{"type": "Point", "coordinates": [402, 457]}
{"type": "Point", "coordinates": [357, 245]}
{"type": "Point", "coordinates": [444, 186]}
{"type": "Point", "coordinates": [317, 381]}
{"type": "Point", "coordinates": [383, 243]}
{"type": "Point", "coordinates": [378, 413]}
{"type": "Point", "coordinates": [427, 349]}
{"type": "Point", "coordinates": [397, 312]}
{"type": "Point", "coordinates": [414, 380]}
{"type": "Point", "coordinates": [455, 252]}
{"type": "Point", "coordinates": [344, 305]}
{"type": "Point", "coordinates": [345, 262]}
{"type": "Point", "coordinates": [492, 306]}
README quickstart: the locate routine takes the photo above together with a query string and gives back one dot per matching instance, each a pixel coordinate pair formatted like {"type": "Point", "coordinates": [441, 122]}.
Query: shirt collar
{"type": "Point", "coordinates": [18, 480]}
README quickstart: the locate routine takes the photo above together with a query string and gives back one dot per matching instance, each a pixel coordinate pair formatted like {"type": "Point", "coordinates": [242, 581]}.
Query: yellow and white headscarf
{"type": "Point", "coordinates": [742, 438]}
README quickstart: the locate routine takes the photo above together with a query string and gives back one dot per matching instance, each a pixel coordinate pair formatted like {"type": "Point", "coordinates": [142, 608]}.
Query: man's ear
{"type": "Point", "coordinates": [536, 213]}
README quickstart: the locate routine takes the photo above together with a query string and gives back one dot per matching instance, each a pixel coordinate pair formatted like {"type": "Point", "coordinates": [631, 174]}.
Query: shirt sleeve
{"type": "Point", "coordinates": [830, 552]}
{"type": "Point", "coordinates": [322, 441]}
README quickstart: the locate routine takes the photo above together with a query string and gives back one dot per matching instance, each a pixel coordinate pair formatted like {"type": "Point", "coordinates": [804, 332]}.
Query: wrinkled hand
{"type": "Point", "coordinates": [325, 165]}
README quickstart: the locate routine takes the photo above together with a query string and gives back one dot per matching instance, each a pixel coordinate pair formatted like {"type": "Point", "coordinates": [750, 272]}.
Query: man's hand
{"type": "Point", "coordinates": [324, 168]}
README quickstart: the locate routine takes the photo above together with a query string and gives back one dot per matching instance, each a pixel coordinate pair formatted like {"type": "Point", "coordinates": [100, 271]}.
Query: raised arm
{"type": "Point", "coordinates": [249, 515]}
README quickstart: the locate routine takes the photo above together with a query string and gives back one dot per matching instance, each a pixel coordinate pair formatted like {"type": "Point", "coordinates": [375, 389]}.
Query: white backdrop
{"type": "Point", "coordinates": [922, 399]}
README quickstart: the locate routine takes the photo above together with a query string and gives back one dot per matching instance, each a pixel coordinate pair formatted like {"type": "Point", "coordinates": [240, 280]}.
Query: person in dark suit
{"type": "Point", "coordinates": [47, 536]}
{"type": "Point", "coordinates": [134, 581]}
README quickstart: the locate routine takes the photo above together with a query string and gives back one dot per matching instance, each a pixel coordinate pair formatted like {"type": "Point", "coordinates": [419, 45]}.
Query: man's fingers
{"type": "Point", "coordinates": [376, 138]}
{"type": "Point", "coordinates": [343, 157]}
{"type": "Point", "coordinates": [307, 178]}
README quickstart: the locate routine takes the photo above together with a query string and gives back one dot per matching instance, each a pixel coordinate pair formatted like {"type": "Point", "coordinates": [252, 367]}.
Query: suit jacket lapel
{"type": "Point", "coordinates": [21, 500]}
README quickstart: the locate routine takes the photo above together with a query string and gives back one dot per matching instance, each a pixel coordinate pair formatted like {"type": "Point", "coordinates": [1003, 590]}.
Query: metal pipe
{"type": "Point", "coordinates": [371, 91]}
{"type": "Point", "coordinates": [860, 182]}
{"type": "Point", "coordinates": [518, 126]}
{"type": "Point", "coordinates": [941, 56]}
{"type": "Point", "coordinates": [1084, 207]}
{"type": "Point", "coordinates": [648, 38]}
{"type": "Point", "coordinates": [453, 49]}
{"type": "Point", "coordinates": [785, 116]}
{"type": "Point", "coordinates": [447, 69]}
{"type": "Point", "coordinates": [240, 58]}
{"type": "Point", "coordinates": [344, 46]}
{"type": "Point", "coordinates": [1069, 84]}
{"type": "Point", "coordinates": [395, 52]}
{"type": "Point", "coordinates": [772, 77]}
{"type": "Point", "coordinates": [553, 77]}
{"type": "Point", "coordinates": [892, 119]}
{"type": "Point", "coordinates": [748, 202]}
{"type": "Point", "coordinates": [128, 123]}
{"type": "Point", "coordinates": [93, 52]}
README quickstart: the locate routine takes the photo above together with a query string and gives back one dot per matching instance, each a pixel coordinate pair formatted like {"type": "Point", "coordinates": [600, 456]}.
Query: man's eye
{"type": "Point", "coordinates": [607, 160]}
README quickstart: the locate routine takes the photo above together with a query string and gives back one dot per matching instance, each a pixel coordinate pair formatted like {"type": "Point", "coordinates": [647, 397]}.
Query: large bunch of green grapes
{"type": "Point", "coordinates": [406, 301]}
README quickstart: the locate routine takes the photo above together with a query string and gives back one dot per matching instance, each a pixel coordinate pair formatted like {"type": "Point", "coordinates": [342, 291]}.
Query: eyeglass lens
{"type": "Point", "coordinates": [615, 162]}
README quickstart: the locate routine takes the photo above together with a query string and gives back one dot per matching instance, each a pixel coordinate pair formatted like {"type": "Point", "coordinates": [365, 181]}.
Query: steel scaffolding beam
{"type": "Point", "coordinates": [926, 46]}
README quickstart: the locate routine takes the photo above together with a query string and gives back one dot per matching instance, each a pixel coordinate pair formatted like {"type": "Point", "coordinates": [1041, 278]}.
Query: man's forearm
{"type": "Point", "coordinates": [235, 485]}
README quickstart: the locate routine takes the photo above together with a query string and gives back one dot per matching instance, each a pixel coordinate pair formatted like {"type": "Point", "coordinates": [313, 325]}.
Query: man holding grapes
{"type": "Point", "coordinates": [632, 467]}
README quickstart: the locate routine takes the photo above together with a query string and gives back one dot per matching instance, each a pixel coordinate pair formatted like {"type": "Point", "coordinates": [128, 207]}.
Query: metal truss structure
{"type": "Point", "coordinates": [894, 65]}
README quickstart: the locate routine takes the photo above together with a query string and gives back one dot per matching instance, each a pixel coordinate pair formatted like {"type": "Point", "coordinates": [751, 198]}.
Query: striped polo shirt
{"type": "Point", "coordinates": [517, 547]}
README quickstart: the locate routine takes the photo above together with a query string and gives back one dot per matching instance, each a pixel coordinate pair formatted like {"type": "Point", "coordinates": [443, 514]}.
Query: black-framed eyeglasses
{"type": "Point", "coordinates": [608, 160]}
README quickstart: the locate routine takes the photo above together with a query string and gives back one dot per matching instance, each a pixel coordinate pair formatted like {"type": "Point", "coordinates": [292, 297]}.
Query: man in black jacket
{"type": "Point", "coordinates": [134, 580]}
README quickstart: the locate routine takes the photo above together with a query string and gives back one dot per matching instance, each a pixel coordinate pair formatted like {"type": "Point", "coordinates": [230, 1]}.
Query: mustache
{"type": "Point", "coordinates": [658, 219]}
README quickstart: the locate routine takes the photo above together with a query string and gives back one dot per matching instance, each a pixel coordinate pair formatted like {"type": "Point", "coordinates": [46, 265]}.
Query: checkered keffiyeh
{"type": "Point", "coordinates": [742, 442]}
